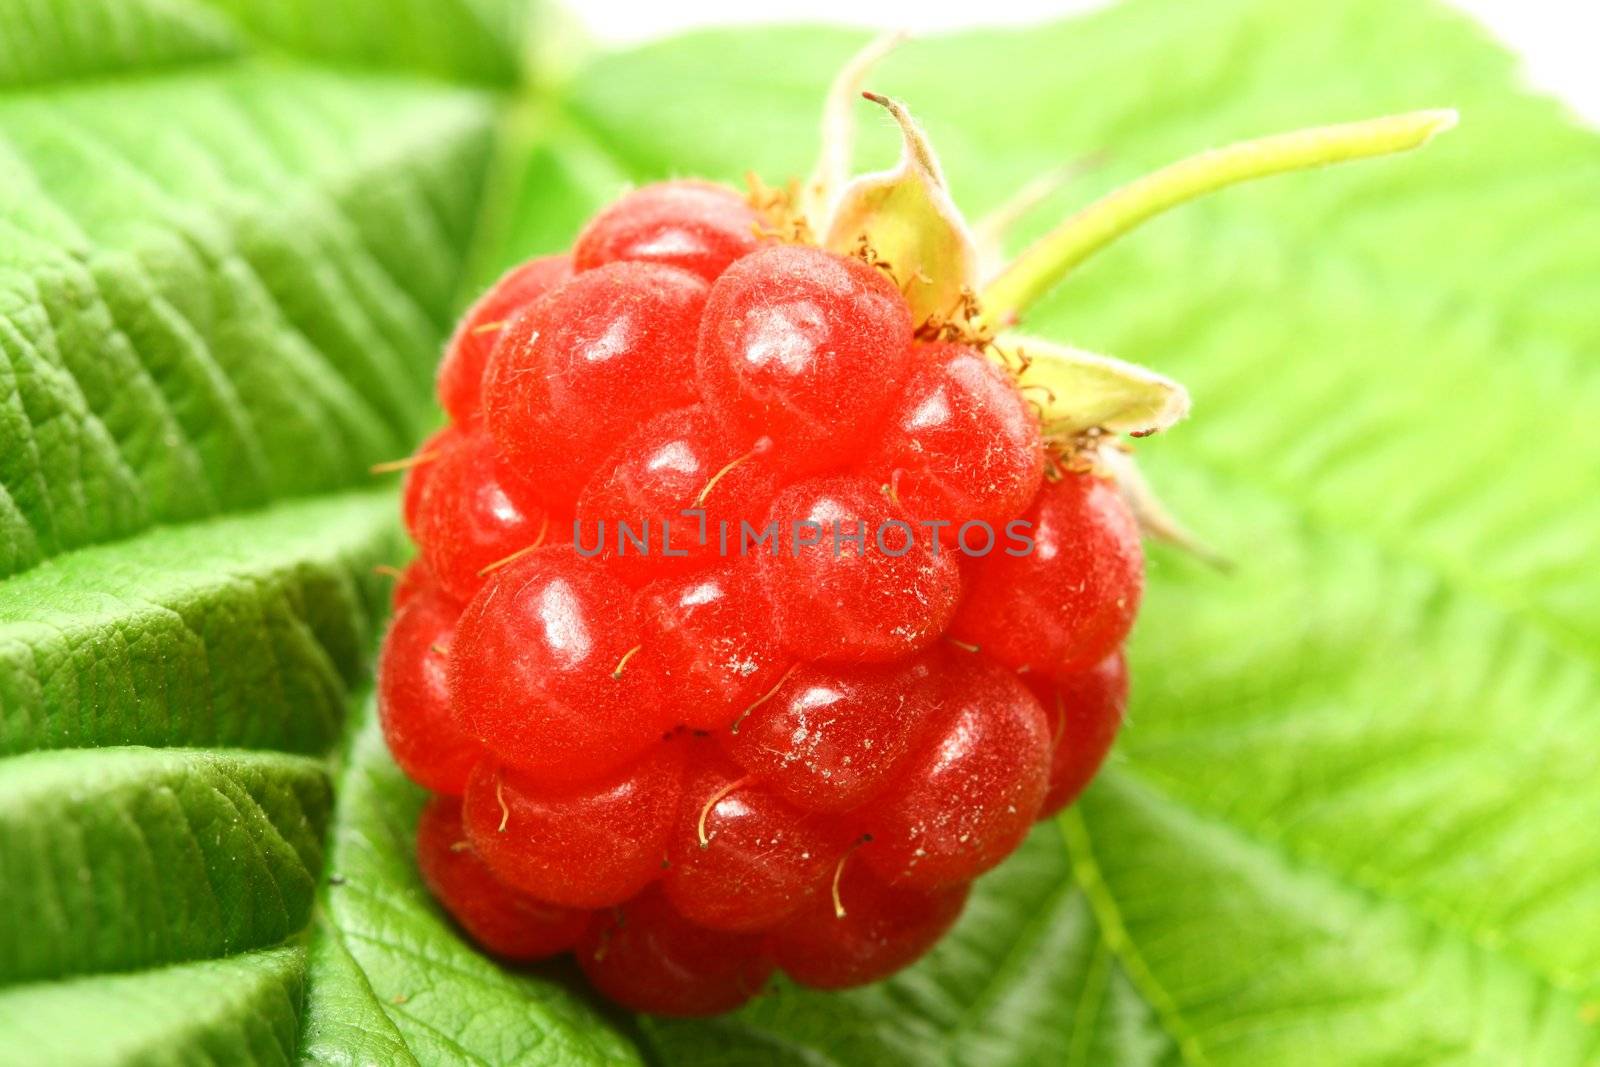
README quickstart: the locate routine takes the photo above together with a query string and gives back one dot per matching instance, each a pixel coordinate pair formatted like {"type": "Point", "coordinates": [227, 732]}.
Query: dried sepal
{"type": "Point", "coordinates": [905, 220]}
{"type": "Point", "coordinates": [1079, 391]}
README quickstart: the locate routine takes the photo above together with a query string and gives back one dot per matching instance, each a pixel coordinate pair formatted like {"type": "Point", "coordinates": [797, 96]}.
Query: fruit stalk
{"type": "Point", "coordinates": [1054, 256]}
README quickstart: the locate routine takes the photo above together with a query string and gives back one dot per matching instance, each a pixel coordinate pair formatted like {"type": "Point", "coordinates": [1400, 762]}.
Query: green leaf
{"type": "Point", "coordinates": [234, 1010]}
{"type": "Point", "coordinates": [1351, 820]}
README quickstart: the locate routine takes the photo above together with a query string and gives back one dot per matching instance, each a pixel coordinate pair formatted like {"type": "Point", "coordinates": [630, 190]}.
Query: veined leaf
{"type": "Point", "coordinates": [1351, 818]}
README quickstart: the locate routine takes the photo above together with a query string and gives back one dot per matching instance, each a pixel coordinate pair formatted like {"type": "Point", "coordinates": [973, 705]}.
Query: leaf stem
{"type": "Point", "coordinates": [1053, 256]}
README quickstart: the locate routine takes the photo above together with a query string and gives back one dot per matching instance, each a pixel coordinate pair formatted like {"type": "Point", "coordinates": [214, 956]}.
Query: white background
{"type": "Point", "coordinates": [1557, 39]}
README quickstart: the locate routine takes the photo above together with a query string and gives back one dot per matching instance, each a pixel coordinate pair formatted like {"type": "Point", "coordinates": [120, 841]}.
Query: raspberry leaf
{"type": "Point", "coordinates": [1351, 819]}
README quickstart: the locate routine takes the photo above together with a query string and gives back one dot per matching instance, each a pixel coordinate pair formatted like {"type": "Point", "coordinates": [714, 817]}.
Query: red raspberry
{"type": "Point", "coordinates": [541, 669]}
{"type": "Point", "coordinates": [1068, 603]}
{"type": "Point", "coordinates": [579, 368]}
{"type": "Point", "coordinates": [697, 226]}
{"type": "Point", "coordinates": [414, 695]}
{"type": "Point", "coordinates": [829, 736]}
{"type": "Point", "coordinates": [969, 791]}
{"type": "Point", "coordinates": [410, 582]}
{"type": "Point", "coordinates": [677, 462]}
{"type": "Point", "coordinates": [838, 469]}
{"type": "Point", "coordinates": [502, 920]}
{"type": "Point", "coordinates": [1085, 711]}
{"type": "Point", "coordinates": [864, 932]}
{"type": "Point", "coordinates": [647, 957]}
{"type": "Point", "coordinates": [419, 469]}
{"type": "Point", "coordinates": [474, 513]}
{"type": "Point", "coordinates": [710, 635]}
{"type": "Point", "coordinates": [740, 857]}
{"type": "Point", "coordinates": [460, 377]}
{"type": "Point", "coordinates": [805, 348]}
{"type": "Point", "coordinates": [870, 587]}
{"type": "Point", "coordinates": [961, 444]}
{"type": "Point", "coordinates": [586, 846]}
{"type": "Point", "coordinates": [823, 378]}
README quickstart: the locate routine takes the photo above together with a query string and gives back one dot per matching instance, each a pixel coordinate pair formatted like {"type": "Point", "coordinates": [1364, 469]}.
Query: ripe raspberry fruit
{"type": "Point", "coordinates": [1068, 603]}
{"type": "Point", "coordinates": [647, 957]}
{"type": "Point", "coordinates": [1085, 711]}
{"type": "Point", "coordinates": [410, 582]}
{"type": "Point", "coordinates": [829, 736]}
{"type": "Point", "coordinates": [460, 378]}
{"type": "Point", "coordinates": [961, 445]}
{"type": "Point", "coordinates": [869, 586]}
{"type": "Point", "coordinates": [656, 506]}
{"type": "Point", "coordinates": [900, 638]}
{"type": "Point", "coordinates": [586, 846]}
{"type": "Point", "coordinates": [414, 707]}
{"type": "Point", "coordinates": [805, 348]}
{"type": "Point", "coordinates": [968, 792]}
{"type": "Point", "coordinates": [710, 636]}
{"type": "Point", "coordinates": [419, 469]}
{"type": "Point", "coordinates": [474, 512]}
{"type": "Point", "coordinates": [578, 369]}
{"type": "Point", "coordinates": [696, 226]}
{"type": "Point", "coordinates": [502, 920]}
{"type": "Point", "coordinates": [742, 858]}
{"type": "Point", "coordinates": [541, 669]}
{"type": "Point", "coordinates": [864, 932]}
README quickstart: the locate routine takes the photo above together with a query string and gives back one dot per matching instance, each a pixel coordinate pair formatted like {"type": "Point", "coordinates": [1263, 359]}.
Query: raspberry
{"type": "Point", "coordinates": [961, 445]}
{"type": "Point", "coordinates": [540, 669]}
{"type": "Point", "coordinates": [829, 736]}
{"type": "Point", "coordinates": [899, 635]}
{"type": "Point", "coordinates": [578, 368]}
{"type": "Point", "coordinates": [1068, 603]}
{"type": "Point", "coordinates": [966, 795]}
{"type": "Point", "coordinates": [647, 957]}
{"type": "Point", "coordinates": [872, 587]}
{"type": "Point", "coordinates": [805, 348]}
{"type": "Point", "coordinates": [460, 378]}
{"type": "Point", "coordinates": [473, 513]}
{"type": "Point", "coordinates": [709, 636]}
{"type": "Point", "coordinates": [587, 846]}
{"type": "Point", "coordinates": [419, 469]}
{"type": "Point", "coordinates": [865, 932]}
{"type": "Point", "coordinates": [740, 857]}
{"type": "Point", "coordinates": [410, 582]}
{"type": "Point", "coordinates": [696, 226]}
{"type": "Point", "coordinates": [673, 477]}
{"type": "Point", "coordinates": [502, 920]}
{"type": "Point", "coordinates": [414, 695]}
{"type": "Point", "coordinates": [1085, 711]}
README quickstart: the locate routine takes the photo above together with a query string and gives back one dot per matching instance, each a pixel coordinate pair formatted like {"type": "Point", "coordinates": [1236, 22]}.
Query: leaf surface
{"type": "Point", "coordinates": [1351, 820]}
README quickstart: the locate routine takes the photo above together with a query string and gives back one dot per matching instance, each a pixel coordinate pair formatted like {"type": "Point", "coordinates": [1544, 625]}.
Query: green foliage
{"type": "Point", "coordinates": [1352, 819]}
